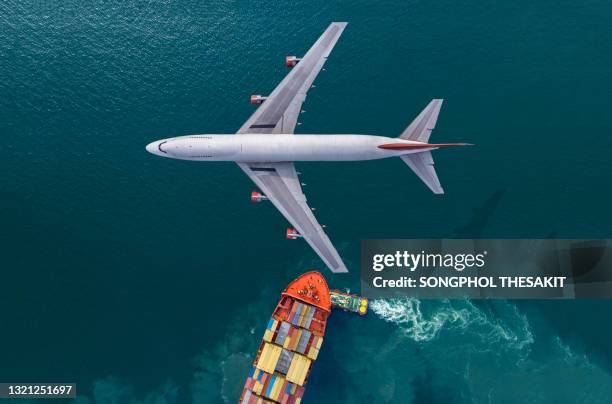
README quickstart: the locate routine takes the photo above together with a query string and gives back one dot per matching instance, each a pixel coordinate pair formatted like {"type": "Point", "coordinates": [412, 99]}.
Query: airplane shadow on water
{"type": "Point", "coordinates": [573, 321]}
{"type": "Point", "coordinates": [481, 216]}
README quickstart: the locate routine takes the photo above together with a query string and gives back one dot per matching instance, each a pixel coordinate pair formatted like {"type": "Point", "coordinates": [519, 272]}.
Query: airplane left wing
{"type": "Point", "coordinates": [280, 183]}
{"type": "Point", "coordinates": [280, 111]}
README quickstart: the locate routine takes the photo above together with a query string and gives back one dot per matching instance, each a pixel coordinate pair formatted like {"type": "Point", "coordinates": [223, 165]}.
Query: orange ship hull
{"type": "Point", "coordinates": [291, 343]}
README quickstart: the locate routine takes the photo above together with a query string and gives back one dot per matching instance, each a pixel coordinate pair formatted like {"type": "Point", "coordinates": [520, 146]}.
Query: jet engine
{"type": "Point", "coordinates": [258, 197]}
{"type": "Point", "coordinates": [291, 61]}
{"type": "Point", "coordinates": [257, 99]}
{"type": "Point", "coordinates": [292, 234]}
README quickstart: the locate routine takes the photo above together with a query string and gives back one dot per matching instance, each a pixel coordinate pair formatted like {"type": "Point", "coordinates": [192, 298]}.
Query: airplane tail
{"type": "Point", "coordinates": [419, 131]}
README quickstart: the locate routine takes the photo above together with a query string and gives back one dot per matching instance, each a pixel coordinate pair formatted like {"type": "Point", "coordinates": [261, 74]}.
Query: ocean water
{"type": "Point", "coordinates": [151, 280]}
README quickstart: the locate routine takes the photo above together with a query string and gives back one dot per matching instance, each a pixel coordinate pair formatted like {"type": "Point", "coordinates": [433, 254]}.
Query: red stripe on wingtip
{"type": "Point", "coordinates": [408, 146]}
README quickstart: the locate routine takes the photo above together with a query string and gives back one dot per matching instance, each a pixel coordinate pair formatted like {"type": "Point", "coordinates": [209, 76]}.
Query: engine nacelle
{"type": "Point", "coordinates": [257, 99]}
{"type": "Point", "coordinates": [291, 61]}
{"type": "Point", "coordinates": [258, 197]}
{"type": "Point", "coordinates": [292, 234]}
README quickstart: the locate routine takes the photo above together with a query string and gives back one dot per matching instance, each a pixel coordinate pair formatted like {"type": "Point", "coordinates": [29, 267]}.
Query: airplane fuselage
{"type": "Point", "coordinates": [249, 148]}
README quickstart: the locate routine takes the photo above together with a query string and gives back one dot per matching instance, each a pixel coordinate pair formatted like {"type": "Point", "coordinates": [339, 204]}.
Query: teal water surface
{"type": "Point", "coordinates": [151, 280]}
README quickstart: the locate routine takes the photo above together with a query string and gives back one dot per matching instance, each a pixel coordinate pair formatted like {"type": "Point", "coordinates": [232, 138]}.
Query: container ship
{"type": "Point", "coordinates": [291, 343]}
{"type": "Point", "coordinates": [293, 338]}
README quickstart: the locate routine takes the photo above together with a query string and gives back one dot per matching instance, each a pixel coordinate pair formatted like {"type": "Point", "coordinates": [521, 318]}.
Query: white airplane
{"type": "Point", "coordinates": [265, 147]}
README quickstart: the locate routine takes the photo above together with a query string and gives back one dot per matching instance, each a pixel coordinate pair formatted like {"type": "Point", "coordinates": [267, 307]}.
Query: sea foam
{"type": "Point", "coordinates": [425, 321]}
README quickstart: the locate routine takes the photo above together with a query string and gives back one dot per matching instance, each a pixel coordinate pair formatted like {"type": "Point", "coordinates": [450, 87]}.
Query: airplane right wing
{"type": "Point", "coordinates": [280, 184]}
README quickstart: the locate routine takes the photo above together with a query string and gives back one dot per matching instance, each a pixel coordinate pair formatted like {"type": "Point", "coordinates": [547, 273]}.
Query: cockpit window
{"type": "Point", "coordinates": [159, 146]}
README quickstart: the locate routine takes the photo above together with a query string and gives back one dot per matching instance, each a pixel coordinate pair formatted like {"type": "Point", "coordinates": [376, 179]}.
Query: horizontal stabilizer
{"type": "Point", "coordinates": [420, 129]}
{"type": "Point", "coordinates": [423, 165]}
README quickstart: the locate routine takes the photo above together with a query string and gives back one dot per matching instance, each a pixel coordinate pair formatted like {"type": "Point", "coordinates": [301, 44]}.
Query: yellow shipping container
{"type": "Point", "coordinates": [313, 353]}
{"type": "Point", "coordinates": [305, 316]}
{"type": "Point", "coordinates": [301, 315]}
{"type": "Point", "coordinates": [298, 369]}
{"type": "Point", "coordinates": [257, 387]}
{"type": "Point", "coordinates": [307, 309]}
{"type": "Point", "coordinates": [295, 340]}
{"type": "Point", "coordinates": [276, 389]}
{"type": "Point", "coordinates": [268, 358]}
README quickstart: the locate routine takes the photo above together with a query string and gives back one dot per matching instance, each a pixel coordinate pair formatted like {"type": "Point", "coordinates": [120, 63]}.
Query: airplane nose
{"type": "Point", "coordinates": [151, 147]}
{"type": "Point", "coordinates": [157, 148]}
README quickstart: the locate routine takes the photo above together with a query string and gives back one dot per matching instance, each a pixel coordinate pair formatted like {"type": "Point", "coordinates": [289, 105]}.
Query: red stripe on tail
{"type": "Point", "coordinates": [408, 146]}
